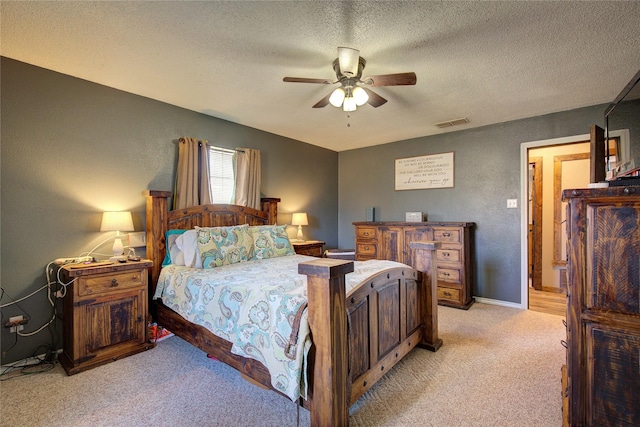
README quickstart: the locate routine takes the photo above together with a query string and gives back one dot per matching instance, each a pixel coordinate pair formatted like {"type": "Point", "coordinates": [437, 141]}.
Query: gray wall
{"type": "Point", "coordinates": [72, 149]}
{"type": "Point", "coordinates": [487, 173]}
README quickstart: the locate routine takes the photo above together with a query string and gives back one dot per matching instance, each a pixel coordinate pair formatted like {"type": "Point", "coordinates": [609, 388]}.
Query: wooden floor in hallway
{"type": "Point", "coordinates": [548, 302]}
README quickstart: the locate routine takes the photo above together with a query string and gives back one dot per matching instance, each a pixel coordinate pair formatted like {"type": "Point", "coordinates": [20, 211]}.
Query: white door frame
{"type": "Point", "coordinates": [524, 199]}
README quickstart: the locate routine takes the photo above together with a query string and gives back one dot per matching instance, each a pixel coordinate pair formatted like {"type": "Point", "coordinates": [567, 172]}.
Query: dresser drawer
{"type": "Point", "coordinates": [448, 255]}
{"type": "Point", "coordinates": [109, 282]}
{"type": "Point", "coordinates": [314, 251]}
{"type": "Point", "coordinates": [451, 275]}
{"type": "Point", "coordinates": [447, 234]}
{"type": "Point", "coordinates": [365, 233]}
{"type": "Point", "coordinates": [366, 250]}
{"type": "Point", "coordinates": [448, 294]}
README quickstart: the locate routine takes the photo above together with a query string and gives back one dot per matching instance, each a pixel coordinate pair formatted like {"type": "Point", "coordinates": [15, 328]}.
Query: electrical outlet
{"type": "Point", "coordinates": [16, 319]}
{"type": "Point", "coordinates": [16, 323]}
{"type": "Point", "coordinates": [512, 203]}
{"type": "Point", "coordinates": [16, 328]}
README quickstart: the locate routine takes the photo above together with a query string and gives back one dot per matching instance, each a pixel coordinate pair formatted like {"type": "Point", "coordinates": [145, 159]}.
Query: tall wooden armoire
{"type": "Point", "coordinates": [603, 306]}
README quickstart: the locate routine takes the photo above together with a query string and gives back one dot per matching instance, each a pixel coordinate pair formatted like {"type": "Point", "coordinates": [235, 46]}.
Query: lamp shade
{"type": "Point", "coordinates": [299, 218]}
{"type": "Point", "coordinates": [337, 97]}
{"type": "Point", "coordinates": [349, 104]}
{"type": "Point", "coordinates": [360, 96]}
{"type": "Point", "coordinates": [116, 221]}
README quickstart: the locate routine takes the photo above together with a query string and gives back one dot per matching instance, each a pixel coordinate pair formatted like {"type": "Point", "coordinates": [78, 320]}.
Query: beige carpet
{"type": "Point", "coordinates": [498, 367]}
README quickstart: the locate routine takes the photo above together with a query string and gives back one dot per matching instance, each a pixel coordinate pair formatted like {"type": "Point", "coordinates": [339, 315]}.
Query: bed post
{"type": "Point", "coordinates": [156, 227]}
{"type": "Point", "coordinates": [328, 324]}
{"type": "Point", "coordinates": [270, 206]}
{"type": "Point", "coordinates": [424, 256]}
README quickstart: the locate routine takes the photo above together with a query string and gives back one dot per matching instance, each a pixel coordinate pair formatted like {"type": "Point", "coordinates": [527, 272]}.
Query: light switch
{"type": "Point", "coordinates": [512, 203]}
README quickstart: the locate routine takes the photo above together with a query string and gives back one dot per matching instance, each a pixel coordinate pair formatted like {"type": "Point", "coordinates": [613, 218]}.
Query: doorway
{"type": "Point", "coordinates": [552, 169]}
{"type": "Point", "coordinates": [543, 241]}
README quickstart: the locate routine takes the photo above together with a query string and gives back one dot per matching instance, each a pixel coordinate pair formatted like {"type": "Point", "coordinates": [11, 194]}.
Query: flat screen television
{"type": "Point", "coordinates": [623, 114]}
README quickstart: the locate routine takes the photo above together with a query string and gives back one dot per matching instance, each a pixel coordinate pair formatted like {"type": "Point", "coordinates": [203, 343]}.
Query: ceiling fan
{"type": "Point", "coordinates": [354, 90]}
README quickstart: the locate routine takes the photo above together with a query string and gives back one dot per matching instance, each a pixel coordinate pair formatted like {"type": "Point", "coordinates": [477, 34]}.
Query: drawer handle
{"type": "Point", "coordinates": [366, 248]}
{"type": "Point", "coordinates": [114, 283]}
{"type": "Point", "coordinates": [366, 233]}
{"type": "Point", "coordinates": [446, 254]}
{"type": "Point", "coordinates": [564, 343]}
{"type": "Point", "coordinates": [447, 294]}
{"type": "Point", "coordinates": [445, 274]}
{"type": "Point", "coordinates": [446, 234]}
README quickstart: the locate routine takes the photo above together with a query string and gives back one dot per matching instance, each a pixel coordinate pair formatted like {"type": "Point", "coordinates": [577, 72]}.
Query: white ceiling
{"type": "Point", "coordinates": [488, 61]}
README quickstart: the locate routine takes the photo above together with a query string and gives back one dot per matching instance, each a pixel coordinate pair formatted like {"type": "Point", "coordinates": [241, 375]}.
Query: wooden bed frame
{"type": "Point", "coordinates": [356, 340]}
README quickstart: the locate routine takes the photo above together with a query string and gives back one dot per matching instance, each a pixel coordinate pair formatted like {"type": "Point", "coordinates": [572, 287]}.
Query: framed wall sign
{"type": "Point", "coordinates": [424, 172]}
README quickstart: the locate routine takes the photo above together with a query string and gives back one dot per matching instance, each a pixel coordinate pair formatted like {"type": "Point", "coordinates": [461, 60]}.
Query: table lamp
{"type": "Point", "coordinates": [299, 219]}
{"type": "Point", "coordinates": [117, 221]}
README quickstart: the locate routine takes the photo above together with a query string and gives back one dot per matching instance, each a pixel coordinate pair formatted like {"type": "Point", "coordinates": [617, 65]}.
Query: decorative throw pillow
{"type": "Point", "coordinates": [270, 241]}
{"type": "Point", "coordinates": [188, 245]}
{"type": "Point", "coordinates": [224, 245]}
{"type": "Point", "coordinates": [173, 254]}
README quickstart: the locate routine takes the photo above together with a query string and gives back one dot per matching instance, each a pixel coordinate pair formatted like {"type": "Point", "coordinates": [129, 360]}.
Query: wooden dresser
{"type": "Point", "coordinates": [390, 240]}
{"type": "Point", "coordinates": [603, 307]}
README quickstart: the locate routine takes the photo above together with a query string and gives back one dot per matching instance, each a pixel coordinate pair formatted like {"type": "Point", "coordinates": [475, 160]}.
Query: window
{"type": "Point", "coordinates": [221, 174]}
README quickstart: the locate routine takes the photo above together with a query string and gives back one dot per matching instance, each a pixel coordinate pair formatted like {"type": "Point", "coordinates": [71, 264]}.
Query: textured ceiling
{"type": "Point", "coordinates": [488, 61]}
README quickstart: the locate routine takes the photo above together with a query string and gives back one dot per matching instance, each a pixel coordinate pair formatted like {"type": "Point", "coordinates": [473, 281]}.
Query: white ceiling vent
{"type": "Point", "coordinates": [453, 122]}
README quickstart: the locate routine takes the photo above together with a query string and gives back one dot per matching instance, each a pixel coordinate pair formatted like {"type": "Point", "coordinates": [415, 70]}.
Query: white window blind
{"type": "Point", "coordinates": [221, 174]}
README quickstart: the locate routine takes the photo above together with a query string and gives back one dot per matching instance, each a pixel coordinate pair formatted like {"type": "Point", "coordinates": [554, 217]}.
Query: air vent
{"type": "Point", "coordinates": [453, 122]}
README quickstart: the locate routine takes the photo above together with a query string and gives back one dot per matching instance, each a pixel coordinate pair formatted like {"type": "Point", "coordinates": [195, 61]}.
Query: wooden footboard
{"type": "Point", "coordinates": [356, 338]}
{"type": "Point", "coordinates": [385, 323]}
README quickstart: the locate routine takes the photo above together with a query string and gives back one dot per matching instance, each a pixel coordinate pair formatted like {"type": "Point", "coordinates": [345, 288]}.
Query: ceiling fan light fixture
{"type": "Point", "coordinates": [337, 97]}
{"type": "Point", "coordinates": [360, 96]}
{"type": "Point", "coordinates": [353, 91]}
{"type": "Point", "coordinates": [349, 59]}
{"type": "Point", "coordinates": [349, 104]}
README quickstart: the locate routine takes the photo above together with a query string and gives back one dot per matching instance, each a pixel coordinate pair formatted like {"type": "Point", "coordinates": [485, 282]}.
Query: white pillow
{"type": "Point", "coordinates": [187, 243]}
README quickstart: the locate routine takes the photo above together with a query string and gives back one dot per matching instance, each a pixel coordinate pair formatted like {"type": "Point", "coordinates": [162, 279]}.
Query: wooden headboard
{"type": "Point", "coordinates": [160, 219]}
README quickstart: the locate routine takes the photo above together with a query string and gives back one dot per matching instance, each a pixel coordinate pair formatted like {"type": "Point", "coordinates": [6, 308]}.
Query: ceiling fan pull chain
{"type": "Point", "coordinates": [348, 117]}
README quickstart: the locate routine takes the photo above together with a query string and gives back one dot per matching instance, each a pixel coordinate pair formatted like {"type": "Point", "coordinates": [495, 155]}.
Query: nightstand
{"type": "Point", "coordinates": [105, 313]}
{"type": "Point", "coordinates": [309, 247]}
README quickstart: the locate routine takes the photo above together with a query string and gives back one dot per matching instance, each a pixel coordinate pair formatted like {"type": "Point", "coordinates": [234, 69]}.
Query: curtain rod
{"type": "Point", "coordinates": [228, 150]}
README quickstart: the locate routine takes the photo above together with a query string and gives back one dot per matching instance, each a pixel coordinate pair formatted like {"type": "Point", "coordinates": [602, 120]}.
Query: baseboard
{"type": "Point", "coordinates": [554, 289]}
{"type": "Point", "coordinates": [499, 302]}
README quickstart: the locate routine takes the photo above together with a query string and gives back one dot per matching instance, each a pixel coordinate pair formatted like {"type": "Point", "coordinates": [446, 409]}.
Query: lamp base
{"type": "Point", "coordinates": [118, 250]}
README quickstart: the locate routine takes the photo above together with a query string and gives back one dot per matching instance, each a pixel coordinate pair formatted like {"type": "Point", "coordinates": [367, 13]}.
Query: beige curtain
{"type": "Point", "coordinates": [247, 176]}
{"type": "Point", "coordinates": [192, 179]}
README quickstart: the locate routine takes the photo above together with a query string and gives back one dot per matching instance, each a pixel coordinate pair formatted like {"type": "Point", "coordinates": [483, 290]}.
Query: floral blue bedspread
{"type": "Point", "coordinates": [253, 305]}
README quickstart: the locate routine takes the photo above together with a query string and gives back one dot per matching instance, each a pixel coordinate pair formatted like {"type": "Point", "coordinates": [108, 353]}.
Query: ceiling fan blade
{"type": "Point", "coordinates": [375, 100]}
{"type": "Point", "coordinates": [348, 59]}
{"type": "Point", "coordinates": [306, 80]}
{"type": "Point", "coordinates": [323, 102]}
{"type": "Point", "coordinates": [400, 79]}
